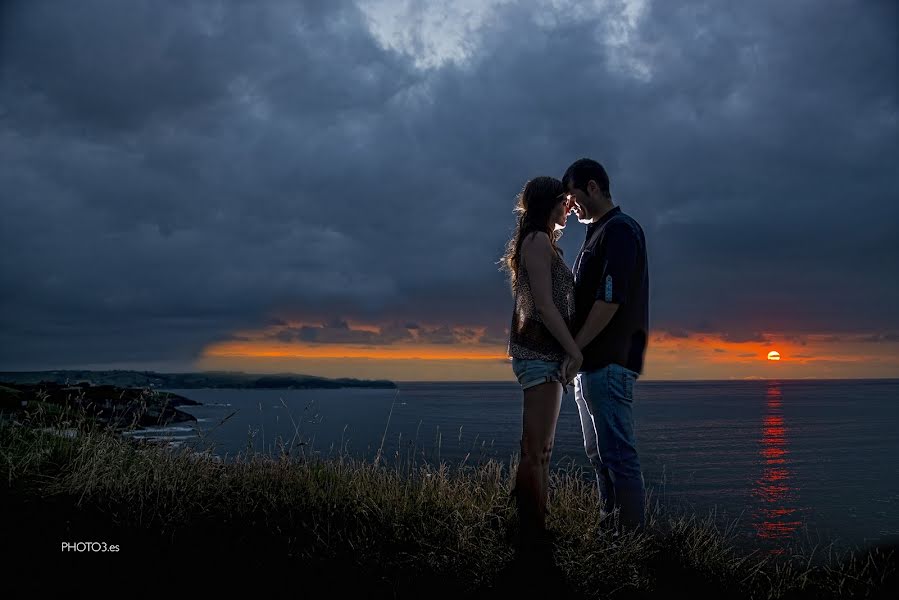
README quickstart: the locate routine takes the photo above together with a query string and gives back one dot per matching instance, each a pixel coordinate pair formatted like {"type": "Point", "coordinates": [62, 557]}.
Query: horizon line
{"type": "Point", "coordinates": [741, 379]}
{"type": "Point", "coordinates": [510, 381]}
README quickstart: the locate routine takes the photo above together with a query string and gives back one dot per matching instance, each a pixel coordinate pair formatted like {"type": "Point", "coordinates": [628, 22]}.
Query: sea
{"type": "Point", "coordinates": [778, 463]}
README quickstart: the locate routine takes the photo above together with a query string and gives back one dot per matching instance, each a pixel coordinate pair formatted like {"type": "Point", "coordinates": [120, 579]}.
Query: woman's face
{"type": "Point", "coordinates": [559, 216]}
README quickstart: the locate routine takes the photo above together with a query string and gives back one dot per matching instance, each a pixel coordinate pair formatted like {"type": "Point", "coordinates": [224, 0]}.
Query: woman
{"type": "Point", "coordinates": [540, 343]}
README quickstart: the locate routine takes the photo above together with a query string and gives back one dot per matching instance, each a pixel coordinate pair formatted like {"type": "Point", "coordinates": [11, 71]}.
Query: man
{"type": "Point", "coordinates": [612, 321]}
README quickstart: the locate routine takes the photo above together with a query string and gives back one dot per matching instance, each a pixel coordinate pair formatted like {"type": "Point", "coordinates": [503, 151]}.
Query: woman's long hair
{"type": "Point", "coordinates": [534, 204]}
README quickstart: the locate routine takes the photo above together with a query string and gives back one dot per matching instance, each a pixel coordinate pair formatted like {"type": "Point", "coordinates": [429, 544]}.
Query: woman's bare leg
{"type": "Point", "coordinates": [539, 416]}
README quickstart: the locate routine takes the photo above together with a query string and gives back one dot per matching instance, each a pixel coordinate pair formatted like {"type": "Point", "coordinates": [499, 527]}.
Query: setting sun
{"type": "Point", "coordinates": [774, 355]}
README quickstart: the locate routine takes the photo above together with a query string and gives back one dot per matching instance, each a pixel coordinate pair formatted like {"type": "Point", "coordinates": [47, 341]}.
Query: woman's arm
{"type": "Point", "coordinates": [536, 252]}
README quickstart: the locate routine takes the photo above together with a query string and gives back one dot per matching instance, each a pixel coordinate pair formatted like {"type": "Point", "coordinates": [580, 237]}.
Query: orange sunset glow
{"type": "Point", "coordinates": [468, 355]}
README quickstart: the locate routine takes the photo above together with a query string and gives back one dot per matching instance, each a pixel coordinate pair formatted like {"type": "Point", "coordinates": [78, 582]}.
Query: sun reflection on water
{"type": "Point", "coordinates": [778, 516]}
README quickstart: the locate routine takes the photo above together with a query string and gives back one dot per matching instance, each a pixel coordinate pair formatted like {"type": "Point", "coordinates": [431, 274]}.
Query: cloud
{"type": "Point", "coordinates": [177, 173]}
{"type": "Point", "coordinates": [340, 331]}
{"type": "Point", "coordinates": [495, 335]}
{"type": "Point", "coordinates": [882, 337]}
{"type": "Point", "coordinates": [438, 335]}
{"type": "Point", "coordinates": [738, 336]}
{"type": "Point", "coordinates": [677, 333]}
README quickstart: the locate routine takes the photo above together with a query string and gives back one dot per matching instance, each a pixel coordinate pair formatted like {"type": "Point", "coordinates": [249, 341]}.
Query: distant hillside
{"type": "Point", "coordinates": [204, 379]}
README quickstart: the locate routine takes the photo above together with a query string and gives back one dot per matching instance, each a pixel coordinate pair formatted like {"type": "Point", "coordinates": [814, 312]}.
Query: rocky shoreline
{"type": "Point", "coordinates": [121, 409]}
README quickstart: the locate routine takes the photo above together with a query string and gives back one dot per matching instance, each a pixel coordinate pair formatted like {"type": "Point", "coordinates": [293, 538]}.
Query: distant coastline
{"type": "Point", "coordinates": [511, 381]}
{"type": "Point", "coordinates": [198, 380]}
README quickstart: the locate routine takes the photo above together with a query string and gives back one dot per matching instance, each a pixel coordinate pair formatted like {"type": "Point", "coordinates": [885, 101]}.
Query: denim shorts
{"type": "Point", "coordinates": [531, 372]}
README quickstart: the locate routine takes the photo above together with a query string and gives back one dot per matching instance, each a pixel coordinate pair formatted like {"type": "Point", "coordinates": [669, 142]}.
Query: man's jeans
{"type": "Point", "coordinates": [604, 400]}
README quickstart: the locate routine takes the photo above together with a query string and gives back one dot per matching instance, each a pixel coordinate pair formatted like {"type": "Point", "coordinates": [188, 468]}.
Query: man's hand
{"type": "Point", "coordinates": [570, 366]}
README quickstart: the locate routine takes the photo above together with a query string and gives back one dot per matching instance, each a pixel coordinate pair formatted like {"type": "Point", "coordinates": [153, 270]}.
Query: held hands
{"type": "Point", "coordinates": [570, 366]}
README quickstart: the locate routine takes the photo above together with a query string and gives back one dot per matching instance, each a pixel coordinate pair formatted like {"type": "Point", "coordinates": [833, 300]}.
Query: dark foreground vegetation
{"type": "Point", "coordinates": [115, 408]}
{"type": "Point", "coordinates": [389, 527]}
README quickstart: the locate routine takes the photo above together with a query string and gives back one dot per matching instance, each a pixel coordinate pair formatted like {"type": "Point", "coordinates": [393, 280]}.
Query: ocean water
{"type": "Point", "coordinates": [813, 461]}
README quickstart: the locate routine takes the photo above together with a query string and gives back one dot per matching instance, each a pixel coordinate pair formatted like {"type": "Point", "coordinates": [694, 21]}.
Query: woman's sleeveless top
{"type": "Point", "coordinates": [529, 338]}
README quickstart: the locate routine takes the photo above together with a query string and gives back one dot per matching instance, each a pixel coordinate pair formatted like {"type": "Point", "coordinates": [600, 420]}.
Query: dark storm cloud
{"type": "Point", "coordinates": [338, 331]}
{"type": "Point", "coordinates": [176, 172]}
{"type": "Point", "coordinates": [678, 333]}
{"type": "Point", "coordinates": [495, 335]}
{"type": "Point", "coordinates": [739, 337]}
{"type": "Point", "coordinates": [882, 337]}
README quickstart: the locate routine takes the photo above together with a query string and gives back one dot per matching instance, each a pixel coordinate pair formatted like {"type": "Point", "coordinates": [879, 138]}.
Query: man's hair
{"type": "Point", "coordinates": [582, 171]}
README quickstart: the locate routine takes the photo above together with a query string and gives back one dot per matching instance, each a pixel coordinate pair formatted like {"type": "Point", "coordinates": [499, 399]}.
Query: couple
{"type": "Point", "coordinates": [588, 326]}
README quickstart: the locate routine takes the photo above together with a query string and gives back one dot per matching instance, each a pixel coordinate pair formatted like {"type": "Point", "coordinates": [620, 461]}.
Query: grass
{"type": "Point", "coordinates": [388, 530]}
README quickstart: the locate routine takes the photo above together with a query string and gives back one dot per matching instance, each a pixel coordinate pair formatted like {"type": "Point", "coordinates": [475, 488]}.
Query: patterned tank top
{"type": "Point", "coordinates": [529, 338]}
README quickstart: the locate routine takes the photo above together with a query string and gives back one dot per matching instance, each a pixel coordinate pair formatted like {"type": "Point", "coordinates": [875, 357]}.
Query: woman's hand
{"type": "Point", "coordinates": [570, 366]}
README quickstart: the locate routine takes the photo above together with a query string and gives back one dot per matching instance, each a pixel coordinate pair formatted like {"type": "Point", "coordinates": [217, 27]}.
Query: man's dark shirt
{"type": "Point", "coordinates": [612, 267]}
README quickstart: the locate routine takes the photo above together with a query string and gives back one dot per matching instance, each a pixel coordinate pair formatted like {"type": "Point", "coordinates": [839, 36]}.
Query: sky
{"type": "Point", "coordinates": [325, 187]}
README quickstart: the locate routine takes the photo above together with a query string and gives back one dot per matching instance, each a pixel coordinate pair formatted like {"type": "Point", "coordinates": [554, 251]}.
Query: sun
{"type": "Point", "coordinates": [774, 355]}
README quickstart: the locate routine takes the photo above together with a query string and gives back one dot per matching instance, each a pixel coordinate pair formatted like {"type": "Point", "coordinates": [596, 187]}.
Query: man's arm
{"type": "Point", "coordinates": [600, 314]}
{"type": "Point", "coordinates": [615, 280]}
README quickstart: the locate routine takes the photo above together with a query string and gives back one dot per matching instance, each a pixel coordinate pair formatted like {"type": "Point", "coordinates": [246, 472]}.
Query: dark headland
{"type": "Point", "coordinates": [134, 399]}
{"type": "Point", "coordinates": [202, 379]}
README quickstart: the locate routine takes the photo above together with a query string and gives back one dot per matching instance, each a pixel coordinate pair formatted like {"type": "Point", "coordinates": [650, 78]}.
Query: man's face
{"type": "Point", "coordinates": [576, 202]}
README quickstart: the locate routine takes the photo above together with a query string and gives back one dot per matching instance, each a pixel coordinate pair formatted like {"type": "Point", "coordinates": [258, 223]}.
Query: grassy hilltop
{"type": "Point", "coordinates": [393, 527]}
